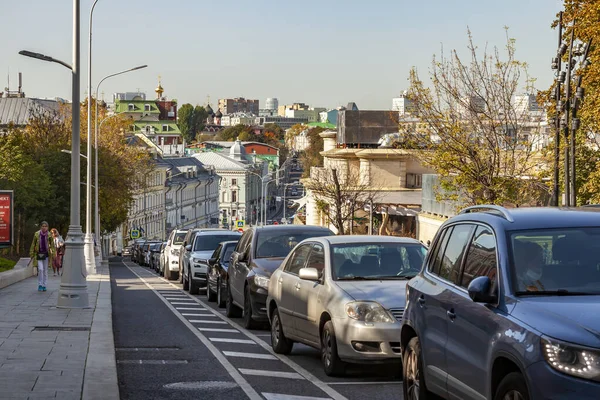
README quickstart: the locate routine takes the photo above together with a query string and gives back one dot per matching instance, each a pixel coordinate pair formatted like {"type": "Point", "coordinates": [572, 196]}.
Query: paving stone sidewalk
{"type": "Point", "coordinates": [46, 352]}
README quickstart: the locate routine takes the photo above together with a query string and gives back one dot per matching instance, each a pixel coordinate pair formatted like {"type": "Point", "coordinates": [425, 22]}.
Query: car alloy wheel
{"type": "Point", "coordinates": [279, 342]}
{"type": "Point", "coordinates": [231, 310]}
{"type": "Point", "coordinates": [332, 364]}
{"type": "Point", "coordinates": [220, 302]}
{"type": "Point", "coordinates": [249, 322]}
{"type": "Point", "coordinates": [412, 375]}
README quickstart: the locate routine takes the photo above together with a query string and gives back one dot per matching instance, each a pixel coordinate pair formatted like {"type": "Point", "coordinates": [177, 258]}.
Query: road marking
{"type": "Point", "coordinates": [145, 348]}
{"type": "Point", "coordinates": [194, 308]}
{"type": "Point", "coordinates": [182, 304]}
{"type": "Point", "coordinates": [271, 374]}
{"type": "Point", "coordinates": [205, 385]}
{"type": "Point", "coordinates": [177, 298]}
{"type": "Point", "coordinates": [196, 315]}
{"type": "Point", "coordinates": [155, 362]}
{"type": "Point", "coordinates": [205, 321]}
{"type": "Point", "coordinates": [233, 372]}
{"type": "Point", "coordinates": [225, 340]}
{"type": "Point", "coordinates": [278, 396]}
{"type": "Point", "coordinates": [218, 330]}
{"type": "Point", "coordinates": [250, 355]}
{"type": "Point", "coordinates": [366, 383]}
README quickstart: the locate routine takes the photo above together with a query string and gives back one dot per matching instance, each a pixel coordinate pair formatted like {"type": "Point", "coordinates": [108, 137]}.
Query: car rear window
{"type": "Point", "coordinates": [210, 242]}
{"type": "Point", "coordinates": [178, 237]}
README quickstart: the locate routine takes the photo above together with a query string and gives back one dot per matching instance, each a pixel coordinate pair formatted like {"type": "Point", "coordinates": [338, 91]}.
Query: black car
{"type": "Point", "coordinates": [217, 272]}
{"type": "Point", "coordinates": [136, 255]}
{"type": "Point", "coordinates": [259, 252]}
{"type": "Point", "coordinates": [154, 258]}
{"type": "Point", "coordinates": [145, 256]}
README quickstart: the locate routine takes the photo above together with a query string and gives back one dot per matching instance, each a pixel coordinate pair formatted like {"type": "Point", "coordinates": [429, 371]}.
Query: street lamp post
{"type": "Point", "coordinates": [73, 286]}
{"type": "Point", "coordinates": [96, 132]}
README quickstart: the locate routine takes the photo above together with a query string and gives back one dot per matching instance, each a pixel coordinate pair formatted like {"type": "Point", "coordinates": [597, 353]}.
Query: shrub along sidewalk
{"type": "Point", "coordinates": [6, 264]}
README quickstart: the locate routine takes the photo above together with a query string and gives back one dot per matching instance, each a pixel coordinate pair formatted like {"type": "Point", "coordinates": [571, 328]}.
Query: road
{"type": "Point", "coordinates": [171, 345]}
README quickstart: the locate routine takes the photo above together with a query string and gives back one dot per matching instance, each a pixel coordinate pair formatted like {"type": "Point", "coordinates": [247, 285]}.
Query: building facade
{"type": "Point", "coordinates": [238, 105]}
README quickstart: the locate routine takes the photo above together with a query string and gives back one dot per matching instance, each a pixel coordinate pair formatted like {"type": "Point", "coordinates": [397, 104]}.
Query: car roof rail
{"type": "Point", "coordinates": [491, 209]}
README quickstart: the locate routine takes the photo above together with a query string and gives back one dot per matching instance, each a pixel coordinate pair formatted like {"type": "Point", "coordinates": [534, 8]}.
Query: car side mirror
{"type": "Point", "coordinates": [169, 243]}
{"type": "Point", "coordinates": [480, 290]}
{"type": "Point", "coordinates": [188, 247]}
{"type": "Point", "coordinates": [309, 274]}
{"type": "Point", "coordinates": [211, 261]}
{"type": "Point", "coordinates": [242, 257]}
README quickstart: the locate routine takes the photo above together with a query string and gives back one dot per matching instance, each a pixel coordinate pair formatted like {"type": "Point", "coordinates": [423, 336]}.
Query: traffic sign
{"type": "Point", "coordinates": [278, 198]}
{"type": "Point", "coordinates": [240, 224]}
{"type": "Point", "coordinates": [135, 234]}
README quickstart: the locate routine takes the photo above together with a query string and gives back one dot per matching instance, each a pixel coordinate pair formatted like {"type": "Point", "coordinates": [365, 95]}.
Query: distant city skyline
{"type": "Point", "coordinates": [325, 55]}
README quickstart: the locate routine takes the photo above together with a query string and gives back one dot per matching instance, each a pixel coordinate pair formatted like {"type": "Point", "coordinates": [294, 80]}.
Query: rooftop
{"type": "Point", "coordinates": [19, 110]}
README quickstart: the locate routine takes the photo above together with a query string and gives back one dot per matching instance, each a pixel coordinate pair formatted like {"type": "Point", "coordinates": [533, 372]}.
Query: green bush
{"type": "Point", "coordinates": [5, 264]}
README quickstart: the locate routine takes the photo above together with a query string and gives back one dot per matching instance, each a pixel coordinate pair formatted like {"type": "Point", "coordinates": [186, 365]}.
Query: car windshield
{"type": "Point", "coordinates": [155, 246]}
{"type": "Point", "coordinates": [210, 242]}
{"type": "Point", "coordinates": [278, 243]}
{"type": "Point", "coordinates": [178, 237]}
{"type": "Point", "coordinates": [556, 261]}
{"type": "Point", "coordinates": [377, 260]}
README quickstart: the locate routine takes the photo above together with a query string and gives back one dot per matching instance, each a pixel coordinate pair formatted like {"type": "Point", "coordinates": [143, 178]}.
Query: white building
{"type": "Point", "coordinates": [237, 119]}
{"type": "Point", "coordinates": [272, 103]}
{"type": "Point", "coordinates": [240, 184]}
{"type": "Point", "coordinates": [402, 104]}
{"type": "Point", "coordinates": [312, 114]}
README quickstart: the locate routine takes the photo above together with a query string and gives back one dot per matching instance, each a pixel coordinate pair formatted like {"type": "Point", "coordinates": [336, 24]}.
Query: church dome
{"type": "Point", "coordinates": [209, 110]}
{"type": "Point", "coordinates": [237, 151]}
{"type": "Point", "coordinates": [219, 114]}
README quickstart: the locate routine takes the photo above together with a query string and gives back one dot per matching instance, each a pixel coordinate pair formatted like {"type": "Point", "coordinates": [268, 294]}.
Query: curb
{"type": "Point", "coordinates": [100, 376]}
{"type": "Point", "coordinates": [20, 271]}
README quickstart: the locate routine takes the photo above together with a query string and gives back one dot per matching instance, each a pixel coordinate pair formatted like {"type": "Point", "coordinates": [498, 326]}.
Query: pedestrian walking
{"type": "Point", "coordinates": [42, 249]}
{"type": "Point", "coordinates": [59, 245]}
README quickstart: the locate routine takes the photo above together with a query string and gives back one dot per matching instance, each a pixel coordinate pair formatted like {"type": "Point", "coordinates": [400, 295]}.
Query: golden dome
{"type": "Point", "coordinates": [159, 89]}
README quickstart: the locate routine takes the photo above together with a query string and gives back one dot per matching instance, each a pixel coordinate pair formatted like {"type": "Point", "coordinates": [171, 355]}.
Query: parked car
{"type": "Point", "coordinates": [147, 252]}
{"type": "Point", "coordinates": [218, 263]}
{"type": "Point", "coordinates": [507, 306]}
{"type": "Point", "coordinates": [126, 252]}
{"type": "Point", "coordinates": [189, 235]}
{"type": "Point", "coordinates": [259, 252]}
{"type": "Point", "coordinates": [343, 296]}
{"type": "Point", "coordinates": [155, 251]}
{"type": "Point", "coordinates": [137, 250]}
{"type": "Point", "coordinates": [171, 253]}
{"type": "Point", "coordinates": [198, 252]}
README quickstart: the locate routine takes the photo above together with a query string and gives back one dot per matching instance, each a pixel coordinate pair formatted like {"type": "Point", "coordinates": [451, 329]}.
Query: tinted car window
{"type": "Point", "coordinates": [317, 258]}
{"type": "Point", "coordinates": [227, 255]}
{"type": "Point", "coordinates": [450, 268]}
{"type": "Point", "coordinates": [298, 259]}
{"type": "Point", "coordinates": [178, 237]}
{"type": "Point", "coordinates": [210, 242]}
{"type": "Point", "coordinates": [278, 243]}
{"type": "Point", "coordinates": [481, 257]}
{"type": "Point", "coordinates": [439, 249]}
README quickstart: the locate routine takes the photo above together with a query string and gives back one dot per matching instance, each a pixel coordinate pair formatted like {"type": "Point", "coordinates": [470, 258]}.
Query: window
{"type": "Point", "coordinates": [146, 107]}
{"type": "Point", "coordinates": [233, 182]}
{"type": "Point", "coordinates": [131, 107]}
{"type": "Point", "coordinates": [224, 197]}
{"type": "Point", "coordinates": [481, 257]}
{"type": "Point", "coordinates": [298, 259]}
{"type": "Point", "coordinates": [206, 242]}
{"type": "Point", "coordinates": [438, 251]}
{"type": "Point", "coordinates": [234, 196]}
{"type": "Point", "coordinates": [450, 267]}
{"type": "Point", "coordinates": [244, 242]}
{"type": "Point", "coordinates": [317, 258]}
{"type": "Point", "coordinates": [165, 128]}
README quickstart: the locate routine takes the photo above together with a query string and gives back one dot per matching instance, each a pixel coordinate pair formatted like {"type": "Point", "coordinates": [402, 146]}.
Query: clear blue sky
{"type": "Point", "coordinates": [321, 52]}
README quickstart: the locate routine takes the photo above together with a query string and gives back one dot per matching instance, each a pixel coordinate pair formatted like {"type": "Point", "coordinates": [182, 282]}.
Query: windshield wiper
{"type": "Point", "coordinates": [559, 292]}
{"type": "Point", "coordinates": [359, 278]}
{"type": "Point", "coordinates": [407, 275]}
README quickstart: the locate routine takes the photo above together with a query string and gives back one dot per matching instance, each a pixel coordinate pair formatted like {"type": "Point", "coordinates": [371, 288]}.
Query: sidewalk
{"type": "Point", "coordinates": [47, 353]}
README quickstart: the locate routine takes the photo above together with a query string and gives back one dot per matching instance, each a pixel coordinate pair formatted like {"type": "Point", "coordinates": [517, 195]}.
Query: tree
{"type": "Point", "coordinates": [233, 132]}
{"type": "Point", "coordinates": [199, 120]}
{"type": "Point", "coordinates": [276, 130]}
{"type": "Point", "coordinates": [311, 156]}
{"type": "Point", "coordinates": [340, 195]}
{"type": "Point", "coordinates": [184, 121]}
{"type": "Point", "coordinates": [478, 141]}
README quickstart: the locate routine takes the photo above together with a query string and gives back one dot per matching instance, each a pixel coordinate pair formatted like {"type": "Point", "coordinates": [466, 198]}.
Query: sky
{"type": "Point", "coordinates": [321, 52]}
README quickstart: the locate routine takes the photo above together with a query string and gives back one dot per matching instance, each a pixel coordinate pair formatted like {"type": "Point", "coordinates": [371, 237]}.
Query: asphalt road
{"type": "Point", "coordinates": [170, 345]}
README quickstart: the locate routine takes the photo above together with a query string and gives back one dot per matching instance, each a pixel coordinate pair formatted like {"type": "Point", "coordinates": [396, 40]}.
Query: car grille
{"type": "Point", "coordinates": [397, 313]}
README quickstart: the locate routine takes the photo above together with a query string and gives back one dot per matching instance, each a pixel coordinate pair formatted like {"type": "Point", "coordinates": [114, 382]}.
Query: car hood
{"type": "Point", "coordinates": [574, 319]}
{"type": "Point", "coordinates": [203, 255]}
{"type": "Point", "coordinates": [266, 266]}
{"type": "Point", "coordinates": [390, 294]}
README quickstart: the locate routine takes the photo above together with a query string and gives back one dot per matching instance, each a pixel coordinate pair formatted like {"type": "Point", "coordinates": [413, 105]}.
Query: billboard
{"type": "Point", "coordinates": [6, 218]}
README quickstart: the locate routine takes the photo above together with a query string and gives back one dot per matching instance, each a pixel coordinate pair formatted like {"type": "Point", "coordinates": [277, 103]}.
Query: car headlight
{"type": "Point", "coordinates": [175, 252]}
{"type": "Point", "coordinates": [368, 311]}
{"type": "Point", "coordinates": [573, 360]}
{"type": "Point", "coordinates": [197, 260]}
{"type": "Point", "coordinates": [261, 281]}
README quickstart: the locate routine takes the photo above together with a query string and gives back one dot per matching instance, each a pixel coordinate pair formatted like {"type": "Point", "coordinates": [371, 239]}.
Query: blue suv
{"type": "Point", "coordinates": [507, 306]}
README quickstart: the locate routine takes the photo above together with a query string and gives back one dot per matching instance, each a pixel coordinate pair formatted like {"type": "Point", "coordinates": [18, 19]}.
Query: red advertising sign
{"type": "Point", "coordinates": [6, 218]}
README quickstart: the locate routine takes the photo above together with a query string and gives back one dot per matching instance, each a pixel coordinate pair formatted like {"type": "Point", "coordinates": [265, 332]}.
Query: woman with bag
{"type": "Point", "coordinates": [59, 245]}
{"type": "Point", "coordinates": [43, 250]}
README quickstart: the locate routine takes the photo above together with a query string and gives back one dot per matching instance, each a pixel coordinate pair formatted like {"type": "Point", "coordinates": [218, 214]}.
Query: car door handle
{"type": "Point", "coordinates": [297, 286]}
{"type": "Point", "coordinates": [421, 300]}
{"type": "Point", "coordinates": [451, 314]}
{"type": "Point", "coordinates": [280, 281]}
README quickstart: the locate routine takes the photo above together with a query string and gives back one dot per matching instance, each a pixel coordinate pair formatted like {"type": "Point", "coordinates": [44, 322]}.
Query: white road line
{"type": "Point", "coordinates": [271, 374]}
{"type": "Point", "coordinates": [182, 304]}
{"type": "Point", "coordinates": [286, 360]}
{"type": "Point", "coordinates": [155, 362]}
{"type": "Point", "coordinates": [196, 315]}
{"type": "Point", "coordinates": [218, 330]}
{"type": "Point", "coordinates": [366, 383]}
{"type": "Point", "coordinates": [225, 340]}
{"type": "Point", "coordinates": [205, 321]}
{"type": "Point", "coordinates": [177, 298]}
{"type": "Point", "coordinates": [279, 396]}
{"type": "Point", "coordinates": [237, 377]}
{"type": "Point", "coordinates": [250, 355]}
{"type": "Point", "coordinates": [191, 308]}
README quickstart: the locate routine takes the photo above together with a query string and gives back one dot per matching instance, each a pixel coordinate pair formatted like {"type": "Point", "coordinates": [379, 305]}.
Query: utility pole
{"type": "Point", "coordinates": [557, 64]}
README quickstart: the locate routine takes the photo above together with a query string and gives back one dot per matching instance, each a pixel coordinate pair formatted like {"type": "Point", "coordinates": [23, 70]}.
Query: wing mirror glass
{"type": "Point", "coordinates": [188, 247]}
{"type": "Point", "coordinates": [480, 290]}
{"type": "Point", "coordinates": [211, 261]}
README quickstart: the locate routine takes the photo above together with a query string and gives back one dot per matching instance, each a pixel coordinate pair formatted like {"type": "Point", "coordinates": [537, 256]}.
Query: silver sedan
{"type": "Point", "coordinates": [344, 295]}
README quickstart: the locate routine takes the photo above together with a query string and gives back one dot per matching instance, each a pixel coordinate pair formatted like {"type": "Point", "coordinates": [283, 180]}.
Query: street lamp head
{"type": "Point", "coordinates": [32, 54]}
{"type": "Point", "coordinates": [136, 68]}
